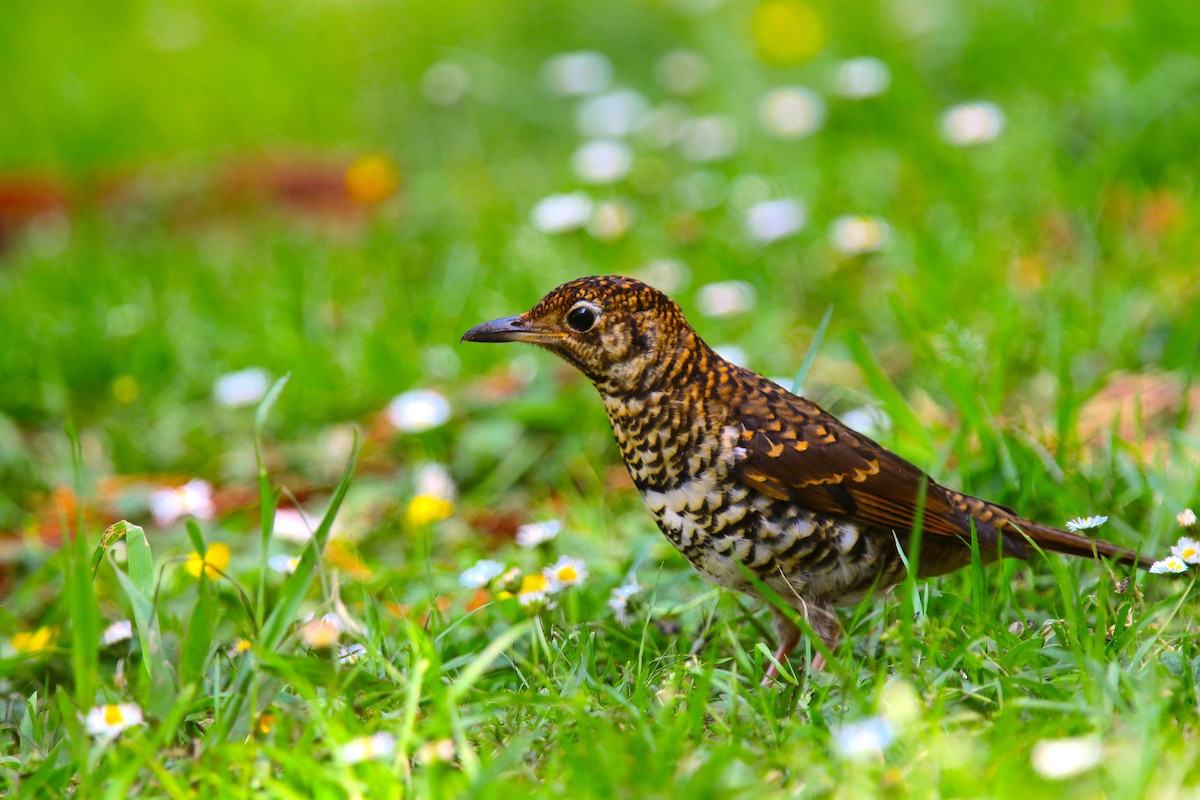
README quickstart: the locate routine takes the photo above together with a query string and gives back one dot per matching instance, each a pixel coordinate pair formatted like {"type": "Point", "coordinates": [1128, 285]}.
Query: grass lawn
{"type": "Point", "coordinates": [247, 473]}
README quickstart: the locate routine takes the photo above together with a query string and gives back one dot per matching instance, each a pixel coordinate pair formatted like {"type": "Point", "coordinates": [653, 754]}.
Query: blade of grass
{"type": "Point", "coordinates": [811, 355]}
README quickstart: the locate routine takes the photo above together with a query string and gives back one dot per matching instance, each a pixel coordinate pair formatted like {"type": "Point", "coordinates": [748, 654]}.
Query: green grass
{"type": "Point", "coordinates": [1022, 278]}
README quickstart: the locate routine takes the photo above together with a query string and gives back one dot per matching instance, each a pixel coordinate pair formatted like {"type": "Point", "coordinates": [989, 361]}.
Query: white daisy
{"type": "Point", "coordinates": [193, 499]}
{"type": "Point", "coordinates": [791, 112]}
{"type": "Point", "coordinates": [1085, 523]}
{"type": "Point", "coordinates": [602, 161]}
{"type": "Point", "coordinates": [1186, 518]}
{"type": "Point", "coordinates": [567, 571]}
{"type": "Point", "coordinates": [119, 631]}
{"type": "Point", "coordinates": [242, 388]}
{"type": "Point", "coordinates": [618, 601]}
{"type": "Point", "coordinates": [726, 298]}
{"type": "Point", "coordinates": [534, 533]}
{"type": "Point", "coordinates": [368, 748]}
{"type": "Point", "coordinates": [560, 213]}
{"type": "Point", "coordinates": [1188, 550]}
{"type": "Point", "coordinates": [1171, 565]}
{"type": "Point", "coordinates": [108, 721]}
{"type": "Point", "coordinates": [1058, 759]}
{"type": "Point", "coordinates": [854, 235]}
{"type": "Point", "coordinates": [972, 123]}
{"type": "Point", "coordinates": [578, 73]}
{"type": "Point", "coordinates": [418, 410]}
{"type": "Point", "coordinates": [772, 220]}
{"type": "Point", "coordinates": [285, 565]}
{"type": "Point", "coordinates": [351, 654]}
{"type": "Point", "coordinates": [480, 573]}
{"type": "Point", "coordinates": [864, 739]}
{"type": "Point", "coordinates": [860, 78]}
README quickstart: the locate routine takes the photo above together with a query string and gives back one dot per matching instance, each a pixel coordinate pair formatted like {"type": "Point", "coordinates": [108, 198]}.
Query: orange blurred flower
{"type": "Point", "coordinates": [372, 179]}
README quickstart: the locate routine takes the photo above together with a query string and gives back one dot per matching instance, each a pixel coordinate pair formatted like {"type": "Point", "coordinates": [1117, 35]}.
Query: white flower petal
{"type": "Point", "coordinates": [860, 78]}
{"type": "Point", "coordinates": [1058, 759]}
{"type": "Point", "coordinates": [418, 410]}
{"type": "Point", "coordinates": [791, 112]}
{"type": "Point", "coordinates": [972, 123]}
{"type": "Point", "coordinates": [773, 220]}
{"type": "Point", "coordinates": [242, 388]}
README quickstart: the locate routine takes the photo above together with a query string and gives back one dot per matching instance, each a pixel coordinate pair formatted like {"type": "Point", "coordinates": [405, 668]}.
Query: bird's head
{"type": "Point", "coordinates": [617, 331]}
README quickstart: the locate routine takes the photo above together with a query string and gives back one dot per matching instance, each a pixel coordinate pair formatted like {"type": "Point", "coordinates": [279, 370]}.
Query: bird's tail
{"type": "Point", "coordinates": [1056, 540]}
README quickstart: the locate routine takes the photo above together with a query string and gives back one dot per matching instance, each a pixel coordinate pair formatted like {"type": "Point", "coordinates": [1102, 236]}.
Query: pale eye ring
{"type": "Point", "coordinates": [582, 317]}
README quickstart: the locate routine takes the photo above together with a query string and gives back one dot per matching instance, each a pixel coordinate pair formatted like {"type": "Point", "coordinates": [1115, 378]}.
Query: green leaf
{"type": "Point", "coordinates": [198, 638]}
{"type": "Point", "coordinates": [197, 537]}
{"type": "Point", "coordinates": [154, 658]}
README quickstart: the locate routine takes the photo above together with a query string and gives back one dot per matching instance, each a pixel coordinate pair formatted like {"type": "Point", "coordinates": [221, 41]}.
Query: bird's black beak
{"type": "Point", "coordinates": [508, 329]}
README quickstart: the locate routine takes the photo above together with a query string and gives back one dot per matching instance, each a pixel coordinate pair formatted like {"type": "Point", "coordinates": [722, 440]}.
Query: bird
{"type": "Point", "coordinates": [757, 486]}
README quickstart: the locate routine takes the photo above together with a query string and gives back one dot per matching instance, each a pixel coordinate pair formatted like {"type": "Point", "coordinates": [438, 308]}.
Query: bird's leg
{"type": "Point", "coordinates": [789, 636]}
{"type": "Point", "coordinates": [824, 622]}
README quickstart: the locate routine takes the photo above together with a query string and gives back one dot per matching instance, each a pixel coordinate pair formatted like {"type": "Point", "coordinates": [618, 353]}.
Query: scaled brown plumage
{"type": "Point", "coordinates": [741, 474]}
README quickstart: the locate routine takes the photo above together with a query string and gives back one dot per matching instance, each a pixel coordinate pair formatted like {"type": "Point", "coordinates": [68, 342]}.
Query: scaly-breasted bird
{"type": "Point", "coordinates": [742, 475]}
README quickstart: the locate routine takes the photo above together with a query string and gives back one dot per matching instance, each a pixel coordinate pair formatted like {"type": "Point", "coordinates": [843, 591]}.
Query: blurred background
{"type": "Point", "coordinates": [996, 201]}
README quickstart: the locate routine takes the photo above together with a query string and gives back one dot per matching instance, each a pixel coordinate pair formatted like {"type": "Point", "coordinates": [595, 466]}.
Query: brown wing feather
{"type": "Point", "coordinates": [796, 451]}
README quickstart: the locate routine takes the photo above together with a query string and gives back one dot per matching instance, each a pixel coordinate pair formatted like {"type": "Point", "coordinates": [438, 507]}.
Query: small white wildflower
{"type": "Point", "coordinates": [445, 83]}
{"type": "Point", "coordinates": [119, 631]}
{"type": "Point", "coordinates": [534, 533]}
{"type": "Point", "coordinates": [613, 115]}
{"type": "Point", "coordinates": [193, 499]}
{"type": "Point", "coordinates": [567, 571]}
{"type": "Point", "coordinates": [791, 112]}
{"type": "Point", "coordinates": [368, 748]}
{"type": "Point", "coordinates": [579, 73]}
{"type": "Point", "coordinates": [1058, 759]}
{"type": "Point", "coordinates": [860, 78]}
{"type": "Point", "coordinates": [618, 601]}
{"type": "Point", "coordinates": [242, 388]}
{"type": "Point", "coordinates": [285, 565]}
{"type": "Point", "coordinates": [480, 573]}
{"type": "Point", "coordinates": [864, 739]}
{"type": "Point", "coordinates": [434, 480]}
{"type": "Point", "coordinates": [1171, 565]}
{"type": "Point", "coordinates": [726, 298]}
{"type": "Point", "coordinates": [418, 410]}
{"type": "Point", "coordinates": [351, 654]}
{"type": "Point", "coordinates": [666, 274]}
{"type": "Point", "coordinates": [108, 721]}
{"type": "Point", "coordinates": [972, 123]}
{"type": "Point", "coordinates": [681, 71]}
{"type": "Point", "coordinates": [560, 213]}
{"type": "Point", "coordinates": [772, 220]}
{"type": "Point", "coordinates": [854, 235]}
{"type": "Point", "coordinates": [1186, 518]}
{"type": "Point", "coordinates": [1085, 523]}
{"type": "Point", "coordinates": [293, 525]}
{"type": "Point", "coordinates": [1188, 550]}
{"type": "Point", "coordinates": [602, 161]}
{"type": "Point", "coordinates": [610, 221]}
{"type": "Point", "coordinates": [710, 138]}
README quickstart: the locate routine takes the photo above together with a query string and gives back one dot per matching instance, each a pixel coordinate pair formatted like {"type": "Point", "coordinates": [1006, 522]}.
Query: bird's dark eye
{"type": "Point", "coordinates": [581, 318]}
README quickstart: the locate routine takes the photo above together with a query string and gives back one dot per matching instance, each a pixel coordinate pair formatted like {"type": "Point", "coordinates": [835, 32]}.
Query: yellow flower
{"type": "Point", "coordinates": [241, 646]}
{"type": "Point", "coordinates": [266, 722]}
{"type": "Point", "coordinates": [425, 509]}
{"type": "Point", "coordinates": [34, 641]}
{"type": "Point", "coordinates": [212, 563]}
{"type": "Point", "coordinates": [787, 32]}
{"type": "Point", "coordinates": [372, 179]}
{"type": "Point", "coordinates": [534, 582]}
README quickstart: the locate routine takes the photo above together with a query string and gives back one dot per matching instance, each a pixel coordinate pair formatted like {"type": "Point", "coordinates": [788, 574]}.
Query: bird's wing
{"type": "Point", "coordinates": [793, 450]}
